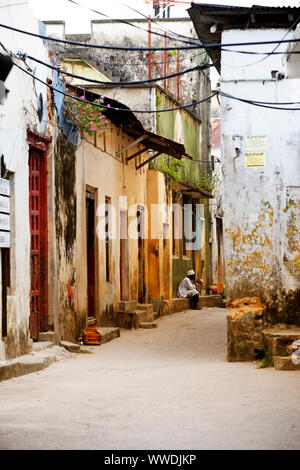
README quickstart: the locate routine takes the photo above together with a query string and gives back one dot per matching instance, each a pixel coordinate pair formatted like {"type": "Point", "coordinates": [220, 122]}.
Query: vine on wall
{"type": "Point", "coordinates": [88, 117]}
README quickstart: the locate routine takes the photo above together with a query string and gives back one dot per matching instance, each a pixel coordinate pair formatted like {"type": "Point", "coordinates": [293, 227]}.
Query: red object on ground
{"type": "Point", "coordinates": [91, 336]}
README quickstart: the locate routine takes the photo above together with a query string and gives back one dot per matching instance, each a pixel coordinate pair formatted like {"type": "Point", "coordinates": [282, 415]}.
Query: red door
{"type": "Point", "coordinates": [39, 235]}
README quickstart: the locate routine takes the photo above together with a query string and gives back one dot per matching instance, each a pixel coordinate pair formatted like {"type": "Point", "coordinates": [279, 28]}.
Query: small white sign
{"type": "Point", "coordinates": [4, 204]}
{"type": "Point", "coordinates": [256, 142]}
{"type": "Point", "coordinates": [4, 187]}
{"type": "Point", "coordinates": [4, 222]}
{"type": "Point", "coordinates": [4, 239]}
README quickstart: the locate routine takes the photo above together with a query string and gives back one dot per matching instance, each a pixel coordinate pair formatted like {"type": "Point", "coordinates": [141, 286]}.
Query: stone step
{"type": "Point", "coordinates": [148, 325]}
{"type": "Point", "coordinates": [41, 345]}
{"type": "Point", "coordinates": [92, 321]}
{"type": "Point", "coordinates": [47, 336]}
{"type": "Point", "coordinates": [221, 304]}
{"type": "Point", "coordinates": [72, 347]}
{"type": "Point", "coordinates": [278, 342]}
{"type": "Point", "coordinates": [147, 307]}
{"type": "Point", "coordinates": [144, 316]}
{"type": "Point", "coordinates": [108, 333]}
{"type": "Point", "coordinates": [285, 363]}
{"type": "Point", "coordinates": [209, 301]}
{"type": "Point", "coordinates": [156, 315]}
{"type": "Point", "coordinates": [179, 304]}
{"type": "Point", "coordinates": [131, 320]}
{"type": "Point", "coordinates": [128, 306]}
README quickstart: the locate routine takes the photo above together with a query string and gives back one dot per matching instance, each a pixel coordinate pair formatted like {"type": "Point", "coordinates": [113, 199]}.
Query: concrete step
{"type": "Point", "coordinates": [147, 307]}
{"type": "Point", "coordinates": [278, 341]}
{"type": "Point", "coordinates": [148, 325]}
{"type": "Point", "coordinates": [92, 321]}
{"type": "Point", "coordinates": [285, 363]}
{"type": "Point", "coordinates": [209, 301]}
{"type": "Point", "coordinates": [41, 345]}
{"type": "Point", "coordinates": [128, 306]}
{"type": "Point", "coordinates": [47, 336]}
{"type": "Point", "coordinates": [108, 333]}
{"type": "Point", "coordinates": [72, 347]}
{"type": "Point", "coordinates": [179, 304]}
{"type": "Point", "coordinates": [156, 315]}
{"type": "Point", "coordinates": [131, 320]}
{"type": "Point", "coordinates": [38, 359]}
{"type": "Point", "coordinates": [144, 315]}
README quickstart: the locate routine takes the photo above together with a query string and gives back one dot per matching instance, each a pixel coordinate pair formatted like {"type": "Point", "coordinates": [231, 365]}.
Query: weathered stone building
{"type": "Point", "coordinates": [260, 146]}
{"type": "Point", "coordinates": [190, 126]}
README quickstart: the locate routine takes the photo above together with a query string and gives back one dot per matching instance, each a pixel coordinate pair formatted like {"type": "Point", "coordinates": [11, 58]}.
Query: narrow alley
{"type": "Point", "coordinates": [163, 388]}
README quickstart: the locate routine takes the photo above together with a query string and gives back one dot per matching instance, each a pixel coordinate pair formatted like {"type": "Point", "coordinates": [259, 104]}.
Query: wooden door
{"type": "Point", "coordinates": [124, 261]}
{"type": "Point", "coordinates": [38, 320]}
{"type": "Point", "coordinates": [140, 229]}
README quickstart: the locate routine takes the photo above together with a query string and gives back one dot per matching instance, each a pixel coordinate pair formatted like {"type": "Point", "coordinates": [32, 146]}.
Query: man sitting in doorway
{"type": "Point", "coordinates": [188, 289]}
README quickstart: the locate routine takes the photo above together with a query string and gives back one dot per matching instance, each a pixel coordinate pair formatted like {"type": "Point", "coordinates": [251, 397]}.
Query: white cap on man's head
{"type": "Point", "coordinates": [191, 272]}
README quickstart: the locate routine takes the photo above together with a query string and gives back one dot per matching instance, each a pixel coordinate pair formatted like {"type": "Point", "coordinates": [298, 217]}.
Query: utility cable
{"type": "Point", "coordinates": [137, 82]}
{"type": "Point", "coordinates": [114, 108]}
{"type": "Point", "coordinates": [257, 103]}
{"type": "Point", "coordinates": [226, 95]}
{"type": "Point", "coordinates": [130, 24]}
{"type": "Point", "coordinates": [164, 48]}
{"type": "Point", "coordinates": [162, 28]}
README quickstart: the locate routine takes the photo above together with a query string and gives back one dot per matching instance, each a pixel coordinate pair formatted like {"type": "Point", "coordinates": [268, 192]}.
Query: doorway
{"type": "Point", "coordinates": [91, 253]}
{"type": "Point", "coordinates": [124, 259]}
{"type": "Point", "coordinates": [140, 231]}
{"type": "Point", "coordinates": [38, 320]}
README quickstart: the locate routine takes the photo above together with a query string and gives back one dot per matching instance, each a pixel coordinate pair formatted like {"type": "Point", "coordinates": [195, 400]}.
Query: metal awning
{"type": "Point", "coordinates": [147, 140]}
{"type": "Point", "coordinates": [150, 141]}
{"type": "Point", "coordinates": [194, 191]}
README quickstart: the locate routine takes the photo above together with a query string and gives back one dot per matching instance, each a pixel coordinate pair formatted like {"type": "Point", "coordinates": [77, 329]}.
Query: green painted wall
{"type": "Point", "coordinates": [194, 133]}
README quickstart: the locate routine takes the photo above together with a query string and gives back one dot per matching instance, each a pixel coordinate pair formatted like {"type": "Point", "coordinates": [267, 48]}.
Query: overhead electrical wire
{"type": "Point", "coordinates": [137, 82]}
{"type": "Point", "coordinates": [221, 93]}
{"type": "Point", "coordinates": [114, 108]}
{"type": "Point", "coordinates": [273, 52]}
{"type": "Point", "coordinates": [127, 22]}
{"type": "Point", "coordinates": [260, 104]}
{"type": "Point", "coordinates": [161, 27]}
{"type": "Point", "coordinates": [163, 48]}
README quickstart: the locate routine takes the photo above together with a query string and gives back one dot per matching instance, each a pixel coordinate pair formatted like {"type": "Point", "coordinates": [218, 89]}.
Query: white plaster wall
{"type": "Point", "coordinates": [16, 116]}
{"type": "Point", "coordinates": [255, 198]}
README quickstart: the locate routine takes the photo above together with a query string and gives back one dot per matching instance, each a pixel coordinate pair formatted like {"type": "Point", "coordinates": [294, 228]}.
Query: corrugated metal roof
{"type": "Point", "coordinates": [227, 17]}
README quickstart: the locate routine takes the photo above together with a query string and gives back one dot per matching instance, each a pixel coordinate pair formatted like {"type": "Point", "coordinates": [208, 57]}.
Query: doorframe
{"type": "Point", "coordinates": [41, 144]}
{"type": "Point", "coordinates": [93, 191]}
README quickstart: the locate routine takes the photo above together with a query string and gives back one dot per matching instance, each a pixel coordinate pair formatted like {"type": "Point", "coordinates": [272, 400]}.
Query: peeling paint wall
{"type": "Point", "coordinates": [261, 203]}
{"type": "Point", "coordinates": [99, 168]}
{"type": "Point", "coordinates": [26, 107]}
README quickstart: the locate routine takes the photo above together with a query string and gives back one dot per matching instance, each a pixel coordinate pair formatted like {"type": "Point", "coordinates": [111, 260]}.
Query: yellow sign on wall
{"type": "Point", "coordinates": [254, 159]}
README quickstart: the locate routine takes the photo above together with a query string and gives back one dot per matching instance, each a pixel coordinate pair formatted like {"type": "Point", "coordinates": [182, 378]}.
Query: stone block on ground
{"type": "Point", "coordinates": [108, 333]}
{"type": "Point", "coordinates": [47, 336]}
{"type": "Point", "coordinates": [166, 307]}
{"type": "Point", "coordinates": [72, 347]}
{"type": "Point", "coordinates": [285, 363]}
{"type": "Point", "coordinates": [244, 329]}
{"type": "Point", "coordinates": [148, 325]}
{"type": "Point", "coordinates": [127, 306]}
{"type": "Point", "coordinates": [156, 315]}
{"type": "Point", "coordinates": [125, 320]}
{"type": "Point", "coordinates": [179, 304]}
{"type": "Point", "coordinates": [208, 301]}
{"type": "Point", "coordinates": [40, 345]}
{"type": "Point", "coordinates": [147, 307]}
